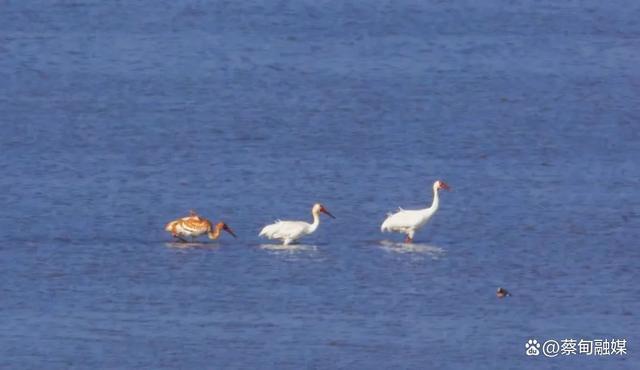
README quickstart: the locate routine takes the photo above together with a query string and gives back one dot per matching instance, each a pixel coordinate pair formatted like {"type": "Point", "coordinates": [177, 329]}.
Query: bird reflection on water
{"type": "Point", "coordinates": [417, 248]}
{"type": "Point", "coordinates": [289, 248]}
{"type": "Point", "coordinates": [192, 245]}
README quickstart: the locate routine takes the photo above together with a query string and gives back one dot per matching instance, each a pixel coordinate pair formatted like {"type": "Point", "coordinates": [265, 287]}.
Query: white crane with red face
{"type": "Point", "coordinates": [290, 231]}
{"type": "Point", "coordinates": [409, 221]}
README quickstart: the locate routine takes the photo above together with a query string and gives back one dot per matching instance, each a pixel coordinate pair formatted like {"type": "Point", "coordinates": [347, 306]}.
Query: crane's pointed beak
{"type": "Point", "coordinates": [323, 210]}
{"type": "Point", "coordinates": [228, 229]}
{"type": "Point", "coordinates": [443, 185]}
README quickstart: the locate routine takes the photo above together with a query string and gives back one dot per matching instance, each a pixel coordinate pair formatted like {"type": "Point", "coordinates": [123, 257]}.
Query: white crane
{"type": "Point", "coordinates": [290, 231]}
{"type": "Point", "coordinates": [409, 221]}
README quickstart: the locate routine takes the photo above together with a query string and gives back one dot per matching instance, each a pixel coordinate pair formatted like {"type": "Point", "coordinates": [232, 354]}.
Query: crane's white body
{"type": "Point", "coordinates": [290, 231]}
{"type": "Point", "coordinates": [409, 221]}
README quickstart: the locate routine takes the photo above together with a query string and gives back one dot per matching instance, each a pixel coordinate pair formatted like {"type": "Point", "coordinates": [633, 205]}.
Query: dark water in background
{"type": "Point", "coordinates": [119, 116]}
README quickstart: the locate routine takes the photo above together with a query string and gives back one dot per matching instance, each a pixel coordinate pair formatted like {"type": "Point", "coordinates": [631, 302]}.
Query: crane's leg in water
{"type": "Point", "coordinates": [409, 238]}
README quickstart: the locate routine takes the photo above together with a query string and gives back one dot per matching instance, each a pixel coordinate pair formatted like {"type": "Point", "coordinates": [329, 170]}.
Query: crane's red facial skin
{"type": "Point", "coordinates": [324, 210]}
{"type": "Point", "coordinates": [226, 228]}
{"type": "Point", "coordinates": [443, 185]}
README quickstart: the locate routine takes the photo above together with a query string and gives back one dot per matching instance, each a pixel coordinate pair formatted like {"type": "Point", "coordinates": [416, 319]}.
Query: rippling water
{"type": "Point", "coordinates": [119, 116]}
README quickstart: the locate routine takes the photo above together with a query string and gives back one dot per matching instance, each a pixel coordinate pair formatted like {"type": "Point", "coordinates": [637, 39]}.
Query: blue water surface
{"type": "Point", "coordinates": [118, 116]}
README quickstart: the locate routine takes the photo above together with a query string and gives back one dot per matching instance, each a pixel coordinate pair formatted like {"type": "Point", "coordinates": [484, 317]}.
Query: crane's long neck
{"type": "Point", "coordinates": [316, 222]}
{"type": "Point", "coordinates": [215, 233]}
{"type": "Point", "coordinates": [436, 200]}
